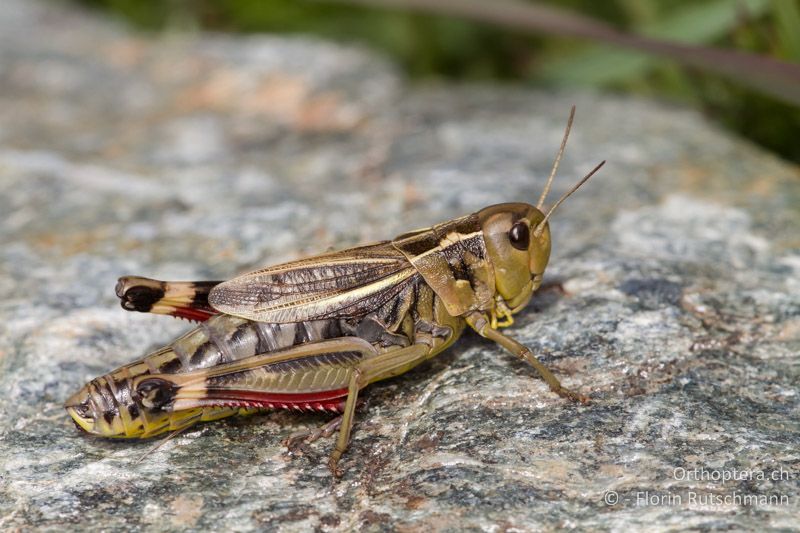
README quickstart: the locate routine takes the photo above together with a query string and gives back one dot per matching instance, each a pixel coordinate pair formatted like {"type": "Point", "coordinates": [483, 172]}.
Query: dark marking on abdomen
{"type": "Point", "coordinates": [207, 354]}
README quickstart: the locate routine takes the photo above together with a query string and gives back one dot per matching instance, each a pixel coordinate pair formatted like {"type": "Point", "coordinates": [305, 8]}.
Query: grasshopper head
{"type": "Point", "coordinates": [517, 238]}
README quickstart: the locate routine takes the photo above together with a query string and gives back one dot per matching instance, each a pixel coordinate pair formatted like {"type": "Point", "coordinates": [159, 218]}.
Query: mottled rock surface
{"type": "Point", "coordinates": [205, 156]}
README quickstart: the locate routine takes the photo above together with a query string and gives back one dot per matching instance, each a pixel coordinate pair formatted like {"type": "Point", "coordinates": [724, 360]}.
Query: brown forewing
{"type": "Point", "coordinates": [348, 283]}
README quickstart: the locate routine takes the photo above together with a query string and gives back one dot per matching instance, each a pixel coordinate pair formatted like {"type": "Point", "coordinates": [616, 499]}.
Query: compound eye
{"type": "Point", "coordinates": [520, 235]}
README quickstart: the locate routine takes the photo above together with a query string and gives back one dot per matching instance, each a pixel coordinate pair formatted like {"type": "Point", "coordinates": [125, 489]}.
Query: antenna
{"type": "Point", "coordinates": [540, 227]}
{"type": "Point", "coordinates": [546, 190]}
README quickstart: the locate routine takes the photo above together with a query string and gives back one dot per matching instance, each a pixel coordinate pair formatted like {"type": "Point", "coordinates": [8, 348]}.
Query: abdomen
{"type": "Point", "coordinates": [109, 405]}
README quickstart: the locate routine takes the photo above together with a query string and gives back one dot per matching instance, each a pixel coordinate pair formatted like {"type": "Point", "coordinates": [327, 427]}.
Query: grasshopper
{"type": "Point", "coordinates": [310, 334]}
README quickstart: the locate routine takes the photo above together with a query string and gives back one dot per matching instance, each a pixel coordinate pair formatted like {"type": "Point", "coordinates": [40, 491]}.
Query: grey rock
{"type": "Point", "coordinates": [199, 156]}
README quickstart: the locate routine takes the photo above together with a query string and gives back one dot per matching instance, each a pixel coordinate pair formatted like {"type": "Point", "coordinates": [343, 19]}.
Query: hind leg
{"type": "Point", "coordinates": [385, 365]}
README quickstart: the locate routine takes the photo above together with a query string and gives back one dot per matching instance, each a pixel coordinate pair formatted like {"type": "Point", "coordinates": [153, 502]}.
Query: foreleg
{"type": "Point", "coordinates": [480, 323]}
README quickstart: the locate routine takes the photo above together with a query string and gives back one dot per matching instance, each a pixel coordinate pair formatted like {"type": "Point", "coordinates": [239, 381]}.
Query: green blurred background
{"type": "Point", "coordinates": [429, 46]}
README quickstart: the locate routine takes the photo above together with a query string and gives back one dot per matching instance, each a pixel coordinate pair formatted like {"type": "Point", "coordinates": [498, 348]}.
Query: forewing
{"type": "Point", "coordinates": [342, 284]}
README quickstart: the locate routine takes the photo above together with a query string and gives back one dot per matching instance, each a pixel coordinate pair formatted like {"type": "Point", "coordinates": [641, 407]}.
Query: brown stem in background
{"type": "Point", "coordinates": [777, 78]}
